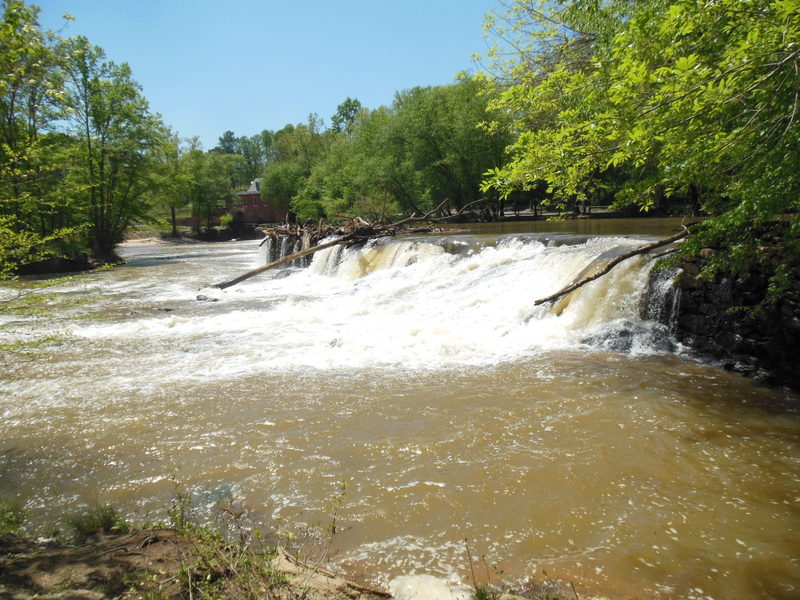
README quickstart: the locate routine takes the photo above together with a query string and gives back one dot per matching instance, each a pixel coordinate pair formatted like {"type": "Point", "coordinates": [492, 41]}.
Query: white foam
{"type": "Point", "coordinates": [427, 587]}
{"type": "Point", "coordinates": [405, 304]}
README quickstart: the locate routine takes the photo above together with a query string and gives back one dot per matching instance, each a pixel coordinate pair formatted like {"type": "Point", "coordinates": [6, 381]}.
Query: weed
{"type": "Point", "coordinates": [11, 517]}
{"type": "Point", "coordinates": [218, 567]}
{"type": "Point", "coordinates": [179, 512]}
{"type": "Point", "coordinates": [97, 520]}
{"type": "Point", "coordinates": [480, 591]}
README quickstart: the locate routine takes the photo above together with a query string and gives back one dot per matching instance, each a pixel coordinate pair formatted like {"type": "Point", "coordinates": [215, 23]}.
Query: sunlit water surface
{"type": "Point", "coordinates": [415, 393]}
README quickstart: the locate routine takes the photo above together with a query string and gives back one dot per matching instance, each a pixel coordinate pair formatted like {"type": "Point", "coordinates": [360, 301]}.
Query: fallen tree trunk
{"type": "Point", "coordinates": [279, 262]}
{"type": "Point", "coordinates": [611, 264]}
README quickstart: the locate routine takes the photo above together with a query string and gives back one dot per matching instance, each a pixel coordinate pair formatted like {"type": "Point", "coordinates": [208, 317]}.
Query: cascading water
{"type": "Point", "coordinates": [412, 304]}
{"type": "Point", "coordinates": [569, 437]}
{"type": "Point", "coordinates": [429, 302]}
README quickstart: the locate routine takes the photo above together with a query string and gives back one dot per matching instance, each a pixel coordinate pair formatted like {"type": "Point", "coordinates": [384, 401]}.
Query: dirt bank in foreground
{"type": "Point", "coordinates": [165, 564]}
{"type": "Point", "coordinates": [161, 564]}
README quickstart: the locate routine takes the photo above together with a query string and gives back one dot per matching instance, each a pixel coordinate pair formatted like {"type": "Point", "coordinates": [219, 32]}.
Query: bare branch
{"type": "Point", "coordinates": [611, 264]}
{"type": "Point", "coordinates": [281, 261]}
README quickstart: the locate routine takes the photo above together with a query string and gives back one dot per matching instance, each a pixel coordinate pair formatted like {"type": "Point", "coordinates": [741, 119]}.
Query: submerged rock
{"type": "Point", "coordinates": [627, 336]}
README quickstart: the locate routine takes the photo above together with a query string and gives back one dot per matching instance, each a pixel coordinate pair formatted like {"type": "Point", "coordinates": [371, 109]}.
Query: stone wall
{"type": "Point", "coordinates": [721, 320]}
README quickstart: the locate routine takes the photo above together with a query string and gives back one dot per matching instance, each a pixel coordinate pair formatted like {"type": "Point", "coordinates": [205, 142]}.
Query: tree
{"type": "Point", "coordinates": [427, 147]}
{"type": "Point", "coordinates": [211, 182]}
{"type": "Point", "coordinates": [439, 131]}
{"type": "Point", "coordinates": [295, 151]}
{"type": "Point", "coordinates": [227, 143]}
{"type": "Point", "coordinates": [173, 177]}
{"type": "Point", "coordinates": [683, 96]}
{"type": "Point", "coordinates": [302, 144]}
{"type": "Point", "coordinates": [35, 219]}
{"type": "Point", "coordinates": [281, 182]}
{"type": "Point", "coordinates": [357, 173]}
{"type": "Point", "coordinates": [345, 114]}
{"type": "Point", "coordinates": [254, 159]}
{"type": "Point", "coordinates": [119, 139]}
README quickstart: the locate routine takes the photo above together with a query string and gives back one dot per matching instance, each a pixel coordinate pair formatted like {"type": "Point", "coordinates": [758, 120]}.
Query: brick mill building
{"type": "Point", "coordinates": [250, 207]}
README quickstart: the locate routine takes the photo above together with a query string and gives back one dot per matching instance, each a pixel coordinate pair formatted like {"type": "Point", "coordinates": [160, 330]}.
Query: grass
{"type": "Point", "coordinates": [228, 560]}
{"type": "Point", "coordinates": [101, 519]}
{"type": "Point", "coordinates": [219, 568]}
{"type": "Point", "coordinates": [11, 517]}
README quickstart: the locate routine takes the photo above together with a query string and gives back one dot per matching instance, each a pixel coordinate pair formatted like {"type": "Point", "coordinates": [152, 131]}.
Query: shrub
{"type": "Point", "coordinates": [11, 517]}
{"type": "Point", "coordinates": [98, 520]}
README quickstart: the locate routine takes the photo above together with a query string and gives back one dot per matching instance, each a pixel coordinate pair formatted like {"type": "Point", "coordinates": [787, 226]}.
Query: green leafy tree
{"type": "Point", "coordinates": [119, 140]}
{"type": "Point", "coordinates": [254, 157]}
{"type": "Point", "coordinates": [345, 114]}
{"type": "Point", "coordinates": [686, 97]}
{"type": "Point", "coordinates": [173, 178]}
{"type": "Point", "coordinates": [281, 182]}
{"type": "Point", "coordinates": [227, 143]}
{"type": "Point", "coordinates": [295, 151]}
{"type": "Point", "coordinates": [357, 173]}
{"type": "Point", "coordinates": [210, 176]}
{"type": "Point", "coordinates": [36, 218]}
{"type": "Point", "coordinates": [438, 131]}
{"type": "Point", "coordinates": [302, 144]}
{"type": "Point", "coordinates": [408, 158]}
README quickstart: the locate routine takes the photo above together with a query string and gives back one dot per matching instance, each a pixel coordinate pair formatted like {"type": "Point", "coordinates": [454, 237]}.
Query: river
{"type": "Point", "coordinates": [412, 390]}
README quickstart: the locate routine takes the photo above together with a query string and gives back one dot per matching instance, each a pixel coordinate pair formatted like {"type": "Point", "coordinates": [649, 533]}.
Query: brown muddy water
{"type": "Point", "coordinates": [411, 389]}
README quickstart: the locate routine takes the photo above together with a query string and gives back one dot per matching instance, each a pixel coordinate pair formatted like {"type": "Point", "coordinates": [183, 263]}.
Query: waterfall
{"type": "Point", "coordinates": [268, 249]}
{"type": "Point", "coordinates": [435, 302]}
{"type": "Point", "coordinates": [631, 309]}
{"type": "Point", "coordinates": [276, 247]}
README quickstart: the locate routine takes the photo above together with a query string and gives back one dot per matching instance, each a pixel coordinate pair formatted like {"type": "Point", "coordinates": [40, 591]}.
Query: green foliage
{"type": "Point", "coordinates": [118, 143]}
{"type": "Point", "coordinates": [211, 176]}
{"type": "Point", "coordinates": [345, 114]}
{"type": "Point", "coordinates": [11, 517]}
{"type": "Point", "coordinates": [35, 216]}
{"type": "Point", "coordinates": [179, 512]}
{"type": "Point", "coordinates": [227, 143]}
{"type": "Point", "coordinates": [77, 144]}
{"type": "Point", "coordinates": [678, 97]}
{"type": "Point", "coordinates": [97, 520]}
{"type": "Point", "coordinates": [217, 567]}
{"type": "Point", "coordinates": [408, 158]}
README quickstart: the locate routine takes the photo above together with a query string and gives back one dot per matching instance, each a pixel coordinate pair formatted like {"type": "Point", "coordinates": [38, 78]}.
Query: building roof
{"type": "Point", "coordinates": [255, 188]}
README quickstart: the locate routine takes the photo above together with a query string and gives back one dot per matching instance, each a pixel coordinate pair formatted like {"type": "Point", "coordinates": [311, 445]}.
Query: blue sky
{"type": "Point", "coordinates": [248, 65]}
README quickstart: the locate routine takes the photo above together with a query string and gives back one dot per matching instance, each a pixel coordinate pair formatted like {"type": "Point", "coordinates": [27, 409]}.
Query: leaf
{"type": "Point", "coordinates": [787, 8]}
{"type": "Point", "coordinates": [686, 63]}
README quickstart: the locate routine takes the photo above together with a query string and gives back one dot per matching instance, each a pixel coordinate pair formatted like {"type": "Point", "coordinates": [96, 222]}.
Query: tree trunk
{"type": "Point", "coordinates": [613, 263]}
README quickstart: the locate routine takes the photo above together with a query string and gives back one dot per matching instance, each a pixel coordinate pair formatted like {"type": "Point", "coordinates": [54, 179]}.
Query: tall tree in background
{"type": "Point", "coordinates": [210, 183]}
{"type": "Point", "coordinates": [227, 143]}
{"type": "Point", "coordinates": [36, 220]}
{"type": "Point", "coordinates": [173, 178]}
{"type": "Point", "coordinates": [253, 153]}
{"type": "Point", "coordinates": [438, 130]}
{"type": "Point", "coordinates": [119, 139]}
{"type": "Point", "coordinates": [295, 150]}
{"type": "Point", "coordinates": [345, 114]}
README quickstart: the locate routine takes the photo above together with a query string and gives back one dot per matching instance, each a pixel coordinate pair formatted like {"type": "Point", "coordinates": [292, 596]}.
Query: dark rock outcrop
{"type": "Point", "coordinates": [726, 320]}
